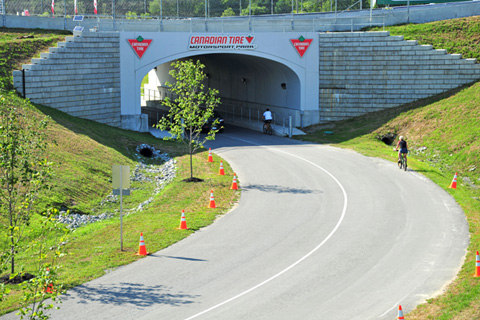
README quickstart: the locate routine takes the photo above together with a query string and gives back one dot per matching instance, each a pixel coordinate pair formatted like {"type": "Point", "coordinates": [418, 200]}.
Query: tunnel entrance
{"type": "Point", "coordinates": [247, 86]}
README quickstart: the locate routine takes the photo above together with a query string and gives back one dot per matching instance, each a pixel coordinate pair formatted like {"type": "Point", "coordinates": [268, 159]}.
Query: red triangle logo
{"type": "Point", "coordinates": [301, 44]}
{"type": "Point", "coordinates": [249, 39]}
{"type": "Point", "coordinates": [139, 45]}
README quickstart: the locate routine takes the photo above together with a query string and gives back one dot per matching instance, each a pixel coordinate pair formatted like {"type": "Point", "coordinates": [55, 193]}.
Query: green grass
{"type": "Point", "coordinates": [16, 50]}
{"type": "Point", "coordinates": [456, 36]}
{"type": "Point", "coordinates": [447, 125]}
{"type": "Point", "coordinates": [443, 134]}
{"type": "Point", "coordinates": [83, 154]}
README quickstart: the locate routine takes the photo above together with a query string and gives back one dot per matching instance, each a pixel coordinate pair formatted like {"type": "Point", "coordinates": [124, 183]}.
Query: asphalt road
{"type": "Point", "coordinates": [319, 233]}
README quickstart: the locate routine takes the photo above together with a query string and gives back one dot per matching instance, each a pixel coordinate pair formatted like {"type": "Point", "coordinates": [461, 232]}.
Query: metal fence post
{"type": "Point", "coordinates": [114, 16]}
{"type": "Point", "coordinates": [290, 129]}
{"type": "Point", "coordinates": [64, 15]}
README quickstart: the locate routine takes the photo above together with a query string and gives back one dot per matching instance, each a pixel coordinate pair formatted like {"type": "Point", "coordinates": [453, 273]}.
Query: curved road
{"type": "Point", "coordinates": [319, 233]}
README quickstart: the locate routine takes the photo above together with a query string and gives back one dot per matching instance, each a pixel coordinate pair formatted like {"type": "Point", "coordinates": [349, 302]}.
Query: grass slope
{"type": "Point", "coordinates": [443, 134]}
{"type": "Point", "coordinates": [84, 152]}
{"type": "Point", "coordinates": [18, 46]}
{"type": "Point", "coordinates": [447, 126]}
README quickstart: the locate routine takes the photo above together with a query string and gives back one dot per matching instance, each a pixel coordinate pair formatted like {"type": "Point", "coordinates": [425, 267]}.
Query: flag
{"type": "Point", "coordinates": [95, 6]}
{"type": "Point", "coordinates": [53, 6]}
{"type": "Point", "coordinates": [76, 7]}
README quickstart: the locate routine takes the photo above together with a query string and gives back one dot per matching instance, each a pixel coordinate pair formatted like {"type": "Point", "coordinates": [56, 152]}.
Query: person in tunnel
{"type": "Point", "coordinates": [267, 118]}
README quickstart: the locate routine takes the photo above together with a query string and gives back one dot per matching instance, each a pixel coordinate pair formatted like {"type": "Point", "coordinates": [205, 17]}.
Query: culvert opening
{"type": "Point", "coordinates": [388, 138]}
{"type": "Point", "coordinates": [146, 152]}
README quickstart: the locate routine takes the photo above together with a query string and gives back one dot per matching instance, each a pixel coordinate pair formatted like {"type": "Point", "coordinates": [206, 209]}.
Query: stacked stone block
{"type": "Point", "coordinates": [362, 72]}
{"type": "Point", "coordinates": [80, 77]}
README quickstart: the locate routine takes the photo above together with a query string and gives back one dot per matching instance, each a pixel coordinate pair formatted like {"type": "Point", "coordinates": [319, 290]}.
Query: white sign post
{"type": "Point", "coordinates": [121, 185]}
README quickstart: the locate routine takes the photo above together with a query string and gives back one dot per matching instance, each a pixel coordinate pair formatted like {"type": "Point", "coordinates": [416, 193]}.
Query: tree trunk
{"type": "Point", "coordinates": [12, 251]}
{"type": "Point", "coordinates": [191, 159]}
{"type": "Point", "coordinates": [12, 241]}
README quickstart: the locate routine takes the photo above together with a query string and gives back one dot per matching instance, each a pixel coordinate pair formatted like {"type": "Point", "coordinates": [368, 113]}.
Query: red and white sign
{"type": "Point", "coordinates": [95, 6]}
{"type": "Point", "coordinates": [139, 45]}
{"type": "Point", "coordinates": [301, 45]}
{"type": "Point", "coordinates": [75, 4]}
{"type": "Point", "coordinates": [53, 6]}
{"type": "Point", "coordinates": [221, 42]}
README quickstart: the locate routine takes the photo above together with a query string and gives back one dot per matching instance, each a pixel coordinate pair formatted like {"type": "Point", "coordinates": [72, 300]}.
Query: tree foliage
{"type": "Point", "coordinates": [218, 8]}
{"type": "Point", "coordinates": [45, 285]}
{"type": "Point", "coordinates": [192, 107]}
{"type": "Point", "coordinates": [24, 169]}
{"type": "Point", "coordinates": [24, 172]}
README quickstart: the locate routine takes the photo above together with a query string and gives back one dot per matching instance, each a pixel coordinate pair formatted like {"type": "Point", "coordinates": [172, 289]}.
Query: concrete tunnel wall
{"type": "Point", "coordinates": [273, 56]}
{"type": "Point", "coordinates": [242, 78]}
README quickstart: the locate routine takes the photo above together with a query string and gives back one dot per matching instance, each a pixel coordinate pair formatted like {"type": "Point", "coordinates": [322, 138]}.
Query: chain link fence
{"type": "Point", "coordinates": [173, 9]}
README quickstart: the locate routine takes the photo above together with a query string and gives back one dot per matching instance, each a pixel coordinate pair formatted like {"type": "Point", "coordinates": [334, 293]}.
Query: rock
{"type": "Point", "coordinates": [162, 175]}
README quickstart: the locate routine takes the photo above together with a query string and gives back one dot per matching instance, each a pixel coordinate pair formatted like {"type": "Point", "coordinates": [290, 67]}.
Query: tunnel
{"type": "Point", "coordinates": [247, 85]}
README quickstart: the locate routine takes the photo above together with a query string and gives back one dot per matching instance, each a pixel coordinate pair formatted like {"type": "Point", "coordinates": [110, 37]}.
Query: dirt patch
{"type": "Point", "coordinates": [17, 279]}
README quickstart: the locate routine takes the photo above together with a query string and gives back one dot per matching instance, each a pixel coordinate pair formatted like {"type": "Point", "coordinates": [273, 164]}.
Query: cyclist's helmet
{"type": "Point", "coordinates": [400, 138]}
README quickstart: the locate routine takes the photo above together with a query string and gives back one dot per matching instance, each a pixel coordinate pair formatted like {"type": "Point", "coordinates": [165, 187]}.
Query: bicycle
{"type": "Point", "coordinates": [402, 163]}
{"type": "Point", "coordinates": [267, 129]}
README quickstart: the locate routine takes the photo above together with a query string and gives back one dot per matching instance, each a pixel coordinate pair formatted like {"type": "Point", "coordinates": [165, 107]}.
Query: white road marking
{"type": "Point", "coordinates": [339, 222]}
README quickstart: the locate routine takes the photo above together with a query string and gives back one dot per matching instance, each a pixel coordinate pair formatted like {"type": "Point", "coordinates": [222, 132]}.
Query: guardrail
{"type": "Point", "coordinates": [242, 113]}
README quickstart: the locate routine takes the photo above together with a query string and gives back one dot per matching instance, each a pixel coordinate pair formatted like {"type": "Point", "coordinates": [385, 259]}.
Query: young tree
{"type": "Point", "coordinates": [192, 107]}
{"type": "Point", "coordinates": [44, 286]}
{"type": "Point", "coordinates": [24, 173]}
{"type": "Point", "coordinates": [24, 169]}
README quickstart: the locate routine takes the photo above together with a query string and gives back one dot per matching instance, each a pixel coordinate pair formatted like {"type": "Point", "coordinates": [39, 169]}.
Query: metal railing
{"type": "Point", "coordinates": [151, 94]}
{"type": "Point", "coordinates": [173, 9]}
{"type": "Point", "coordinates": [131, 15]}
{"type": "Point", "coordinates": [250, 114]}
{"type": "Point", "coordinates": [242, 113]}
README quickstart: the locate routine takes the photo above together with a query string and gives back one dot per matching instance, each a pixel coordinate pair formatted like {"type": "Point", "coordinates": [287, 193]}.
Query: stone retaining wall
{"type": "Point", "coordinates": [80, 77]}
{"type": "Point", "coordinates": [362, 72]}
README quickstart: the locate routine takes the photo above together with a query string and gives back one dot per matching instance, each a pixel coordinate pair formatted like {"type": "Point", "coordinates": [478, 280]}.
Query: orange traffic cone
{"type": "Point", "coordinates": [221, 172]}
{"type": "Point", "coordinates": [183, 222]}
{"type": "Point", "coordinates": [400, 313]}
{"type": "Point", "coordinates": [477, 267]}
{"type": "Point", "coordinates": [210, 158]}
{"type": "Point", "coordinates": [234, 183]}
{"type": "Point", "coordinates": [453, 185]}
{"type": "Point", "coordinates": [212, 200]}
{"type": "Point", "coordinates": [142, 250]}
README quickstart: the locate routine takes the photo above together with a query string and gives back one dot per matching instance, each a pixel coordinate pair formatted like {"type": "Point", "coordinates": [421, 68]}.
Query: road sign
{"type": "Point", "coordinates": [125, 192]}
{"type": "Point", "coordinates": [121, 184]}
{"type": "Point", "coordinates": [120, 177]}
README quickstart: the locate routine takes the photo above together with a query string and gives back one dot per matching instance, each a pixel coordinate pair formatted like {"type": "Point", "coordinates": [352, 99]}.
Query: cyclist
{"type": "Point", "coordinates": [402, 144]}
{"type": "Point", "coordinates": [267, 118]}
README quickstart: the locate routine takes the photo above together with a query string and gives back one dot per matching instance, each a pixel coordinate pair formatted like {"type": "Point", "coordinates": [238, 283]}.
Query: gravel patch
{"type": "Point", "coordinates": [161, 175]}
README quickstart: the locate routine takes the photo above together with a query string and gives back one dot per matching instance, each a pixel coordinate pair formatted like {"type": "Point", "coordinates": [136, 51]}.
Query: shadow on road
{"type": "Point", "coordinates": [279, 189]}
{"type": "Point", "coordinates": [134, 294]}
{"type": "Point", "coordinates": [179, 258]}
